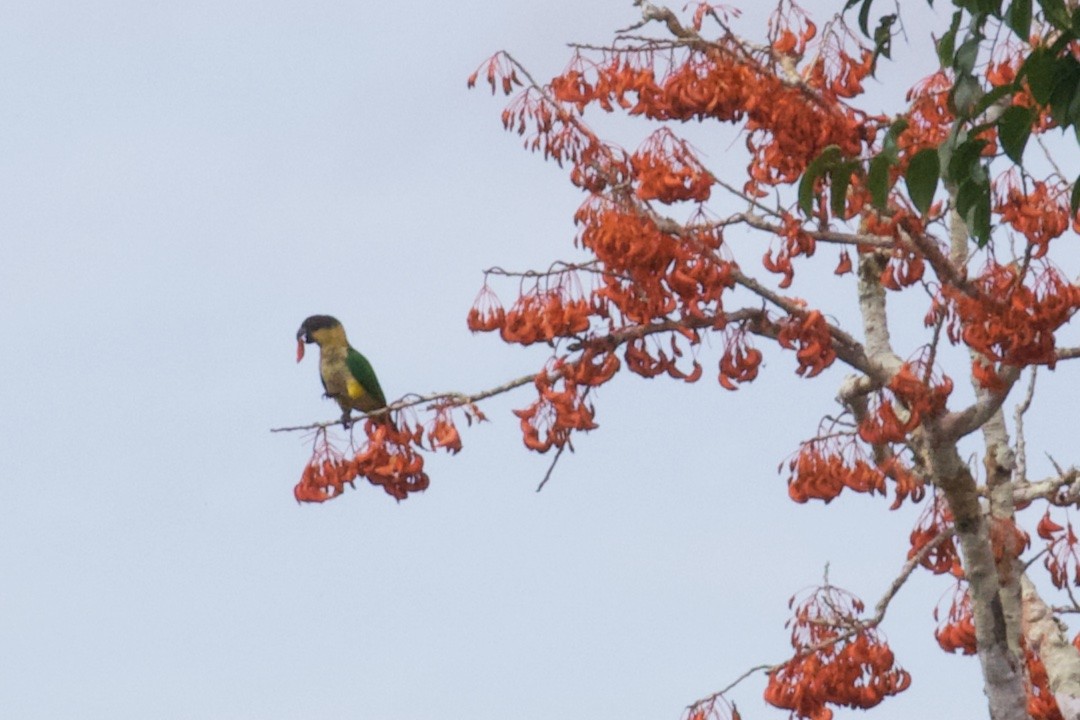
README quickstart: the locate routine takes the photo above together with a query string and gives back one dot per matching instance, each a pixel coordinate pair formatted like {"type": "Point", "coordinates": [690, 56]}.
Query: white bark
{"type": "Point", "coordinates": [1046, 635]}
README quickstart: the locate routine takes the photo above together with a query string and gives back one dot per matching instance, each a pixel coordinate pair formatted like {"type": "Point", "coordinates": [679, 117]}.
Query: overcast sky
{"type": "Point", "coordinates": [180, 185]}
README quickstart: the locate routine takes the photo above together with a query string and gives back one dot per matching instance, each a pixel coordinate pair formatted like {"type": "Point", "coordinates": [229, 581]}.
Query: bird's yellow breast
{"type": "Point", "coordinates": [354, 389]}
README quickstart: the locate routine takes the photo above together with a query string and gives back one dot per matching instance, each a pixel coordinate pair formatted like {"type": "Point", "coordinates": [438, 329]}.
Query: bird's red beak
{"type": "Point", "coordinates": [299, 350]}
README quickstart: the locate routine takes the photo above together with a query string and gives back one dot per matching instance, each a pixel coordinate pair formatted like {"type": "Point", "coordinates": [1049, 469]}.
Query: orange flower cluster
{"type": "Point", "coordinates": [543, 316]}
{"type": "Point", "coordinates": [740, 361]}
{"type": "Point", "coordinates": [788, 127]}
{"type": "Point", "coordinates": [649, 273]}
{"type": "Point", "coordinates": [537, 316]}
{"type": "Point", "coordinates": [904, 269]}
{"type": "Point", "coordinates": [809, 332]}
{"type": "Point", "coordinates": [790, 29]}
{"type": "Point", "coordinates": [796, 241]}
{"type": "Point", "coordinates": [442, 433]}
{"type": "Point", "coordinates": [326, 473]}
{"type": "Point", "coordinates": [908, 484]}
{"type": "Point", "coordinates": [821, 469]}
{"type": "Point", "coordinates": [837, 661]}
{"type": "Point", "coordinates": [486, 314]}
{"type": "Point", "coordinates": [1040, 215]}
{"type": "Point", "coordinates": [844, 266]}
{"type": "Point", "coordinates": [845, 80]}
{"type": "Point", "coordinates": [1061, 551]}
{"type": "Point", "coordinates": [601, 167]}
{"type": "Point", "coordinates": [499, 72]}
{"type": "Point", "coordinates": [836, 72]}
{"type": "Point", "coordinates": [639, 360]}
{"type": "Point", "coordinates": [387, 460]}
{"type": "Point", "coordinates": [560, 410]}
{"type": "Point", "coordinates": [929, 117]}
{"type": "Point", "coordinates": [921, 399]}
{"type": "Point", "coordinates": [593, 367]}
{"type": "Point", "coordinates": [1005, 319]}
{"type": "Point", "coordinates": [881, 424]}
{"type": "Point", "coordinates": [890, 225]}
{"type": "Point", "coordinates": [957, 630]}
{"type": "Point", "coordinates": [555, 133]}
{"type": "Point", "coordinates": [665, 169]}
{"type": "Point", "coordinates": [1041, 704]}
{"type": "Point", "coordinates": [944, 558]}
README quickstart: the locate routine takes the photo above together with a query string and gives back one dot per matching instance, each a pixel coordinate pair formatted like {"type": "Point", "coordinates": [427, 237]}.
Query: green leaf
{"type": "Point", "coordinates": [967, 195]}
{"type": "Point", "coordinates": [973, 205]}
{"type": "Point", "coordinates": [964, 159]}
{"type": "Point", "coordinates": [1063, 100]}
{"type": "Point", "coordinates": [992, 97]}
{"type": "Point", "coordinates": [967, 54]}
{"type": "Point", "coordinates": [1074, 199]}
{"type": "Point", "coordinates": [979, 219]}
{"type": "Point", "coordinates": [864, 17]}
{"type": "Point", "coordinates": [965, 96]}
{"type": "Point", "coordinates": [946, 46]}
{"type": "Point", "coordinates": [877, 180]}
{"type": "Point", "coordinates": [877, 176]}
{"type": "Point", "coordinates": [922, 178]}
{"type": "Point", "coordinates": [1014, 128]}
{"type": "Point", "coordinates": [1039, 69]}
{"type": "Point", "coordinates": [1056, 13]}
{"type": "Point", "coordinates": [888, 145]}
{"type": "Point", "coordinates": [825, 161]}
{"type": "Point", "coordinates": [1018, 18]}
{"type": "Point", "coordinates": [841, 179]}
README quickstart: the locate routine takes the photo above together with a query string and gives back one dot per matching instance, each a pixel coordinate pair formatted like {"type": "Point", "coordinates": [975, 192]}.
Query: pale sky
{"type": "Point", "coordinates": [180, 186]}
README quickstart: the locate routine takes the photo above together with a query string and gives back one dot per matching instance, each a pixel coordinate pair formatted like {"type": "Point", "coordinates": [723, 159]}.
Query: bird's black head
{"type": "Point", "coordinates": [314, 323]}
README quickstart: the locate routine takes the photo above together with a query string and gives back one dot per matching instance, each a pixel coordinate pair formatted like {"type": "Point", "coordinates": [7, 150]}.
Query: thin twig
{"type": "Point", "coordinates": [547, 475]}
{"type": "Point", "coordinates": [1018, 420]}
{"type": "Point", "coordinates": [453, 399]}
{"type": "Point", "coordinates": [731, 685]}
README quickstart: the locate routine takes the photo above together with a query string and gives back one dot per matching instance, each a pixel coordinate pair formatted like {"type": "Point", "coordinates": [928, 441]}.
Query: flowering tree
{"type": "Point", "coordinates": [942, 205]}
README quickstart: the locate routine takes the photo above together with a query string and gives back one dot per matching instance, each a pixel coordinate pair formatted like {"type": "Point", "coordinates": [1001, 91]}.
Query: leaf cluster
{"type": "Point", "coordinates": [1050, 72]}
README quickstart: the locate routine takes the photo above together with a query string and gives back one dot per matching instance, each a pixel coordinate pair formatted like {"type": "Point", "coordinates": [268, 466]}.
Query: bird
{"type": "Point", "coordinates": [346, 375]}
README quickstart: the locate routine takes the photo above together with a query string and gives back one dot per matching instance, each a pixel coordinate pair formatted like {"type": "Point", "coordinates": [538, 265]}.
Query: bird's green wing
{"type": "Point", "coordinates": [365, 375]}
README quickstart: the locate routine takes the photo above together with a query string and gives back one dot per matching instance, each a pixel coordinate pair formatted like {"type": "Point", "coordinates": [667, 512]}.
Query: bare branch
{"type": "Point", "coordinates": [1018, 420]}
{"type": "Point", "coordinates": [551, 468]}
{"type": "Point", "coordinates": [956, 425]}
{"type": "Point", "coordinates": [1062, 489]}
{"type": "Point", "coordinates": [847, 348]}
{"type": "Point", "coordinates": [830, 236]}
{"type": "Point", "coordinates": [452, 399]}
{"type": "Point", "coordinates": [1068, 353]}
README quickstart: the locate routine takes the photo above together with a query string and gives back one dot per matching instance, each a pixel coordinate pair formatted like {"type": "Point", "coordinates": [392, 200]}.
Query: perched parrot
{"type": "Point", "coordinates": [347, 376]}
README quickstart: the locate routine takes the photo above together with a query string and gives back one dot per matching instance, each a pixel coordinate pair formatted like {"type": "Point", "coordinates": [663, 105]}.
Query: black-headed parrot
{"type": "Point", "coordinates": [347, 376]}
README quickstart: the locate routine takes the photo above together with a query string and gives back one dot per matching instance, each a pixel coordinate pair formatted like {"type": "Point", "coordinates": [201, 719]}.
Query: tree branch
{"type": "Point", "coordinates": [1046, 635]}
{"type": "Point", "coordinates": [452, 399]}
